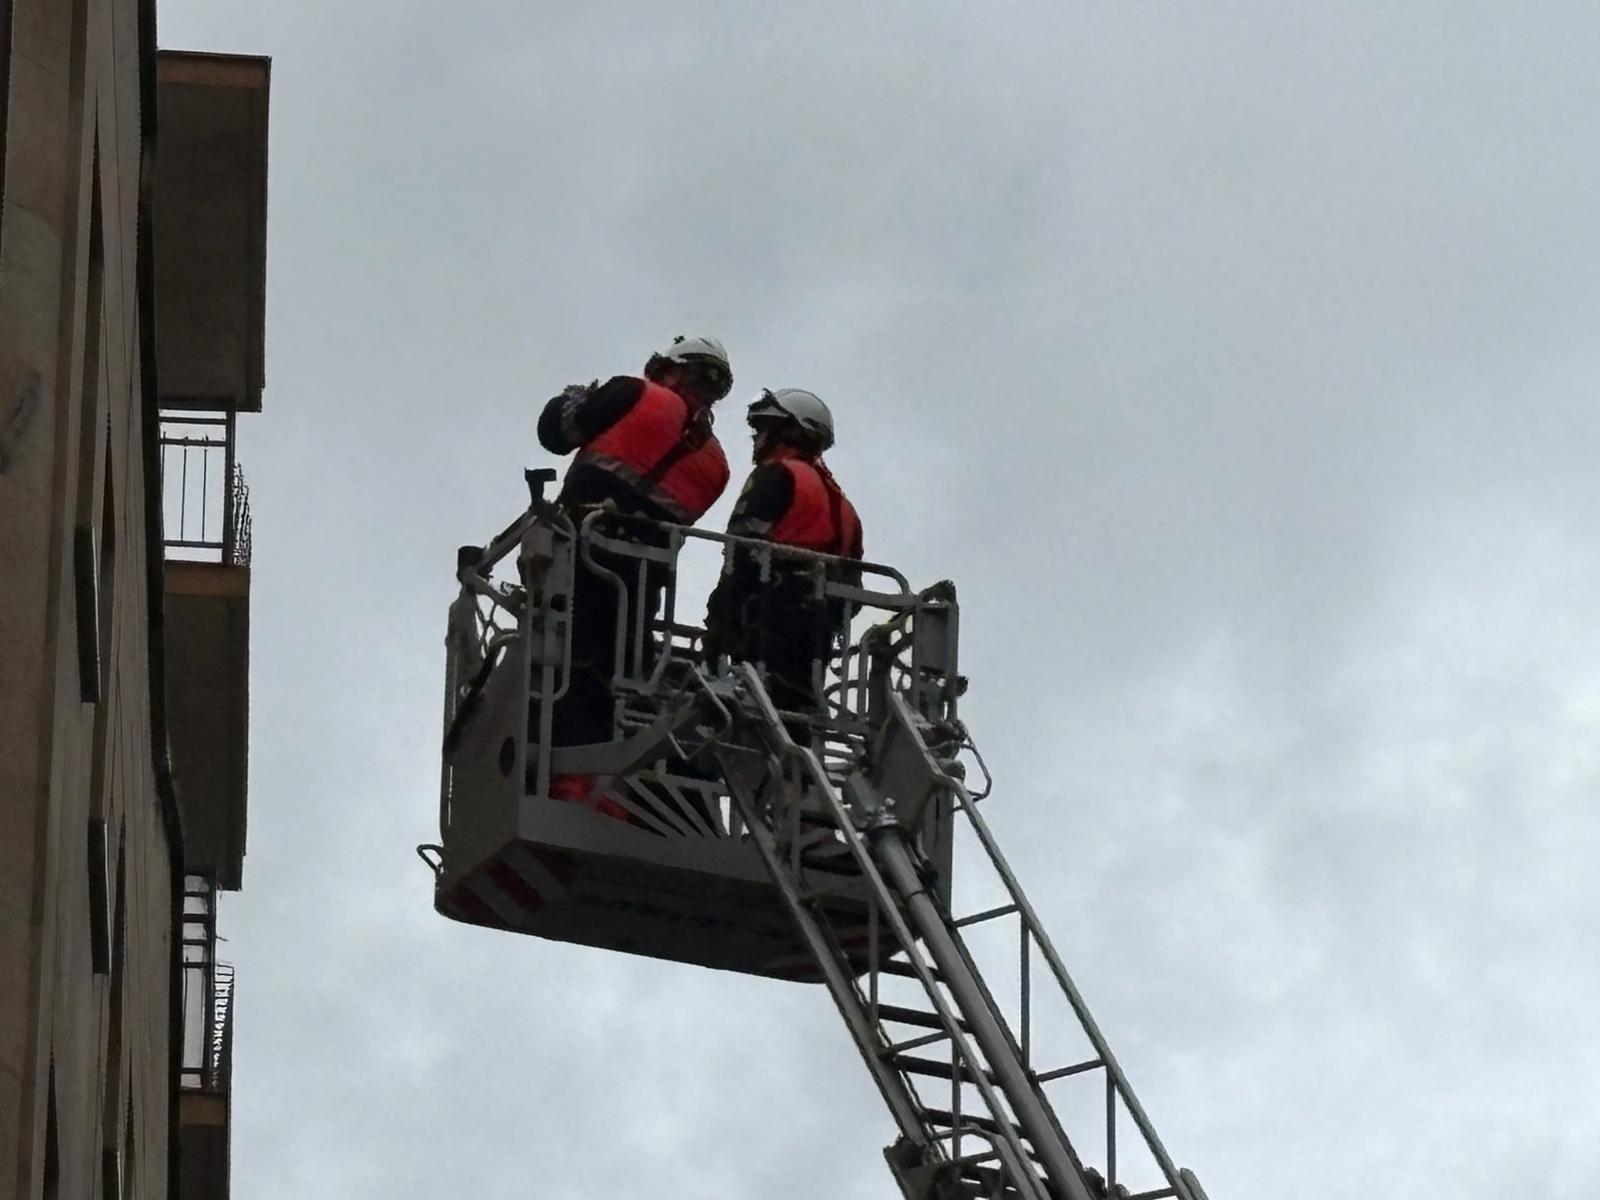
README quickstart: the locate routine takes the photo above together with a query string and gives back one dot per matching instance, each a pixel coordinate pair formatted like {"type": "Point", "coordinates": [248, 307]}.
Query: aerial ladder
{"type": "Point", "coordinates": [810, 846]}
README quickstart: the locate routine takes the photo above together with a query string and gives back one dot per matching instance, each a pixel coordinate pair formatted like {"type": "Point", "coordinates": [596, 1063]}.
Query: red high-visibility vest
{"type": "Point", "coordinates": [819, 517]}
{"type": "Point", "coordinates": [650, 450]}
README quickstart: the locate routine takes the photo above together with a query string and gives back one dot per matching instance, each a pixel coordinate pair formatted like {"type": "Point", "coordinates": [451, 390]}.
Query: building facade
{"type": "Point", "coordinates": [132, 184]}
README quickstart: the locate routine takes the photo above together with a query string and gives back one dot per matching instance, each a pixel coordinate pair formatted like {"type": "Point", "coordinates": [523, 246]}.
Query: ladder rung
{"type": "Point", "coordinates": [980, 1188]}
{"type": "Point", "coordinates": [987, 1177]}
{"type": "Point", "coordinates": [938, 1068]}
{"type": "Point", "coordinates": [915, 1016]}
{"type": "Point", "coordinates": [1075, 1069]}
{"type": "Point", "coordinates": [916, 1043]}
{"type": "Point", "coordinates": [944, 1118]}
{"type": "Point", "coordinates": [977, 1189]}
{"type": "Point", "coordinates": [988, 914]}
{"type": "Point", "coordinates": [969, 1161]}
{"type": "Point", "coordinates": [829, 866]}
{"type": "Point", "coordinates": [893, 966]}
{"type": "Point", "coordinates": [1160, 1194]}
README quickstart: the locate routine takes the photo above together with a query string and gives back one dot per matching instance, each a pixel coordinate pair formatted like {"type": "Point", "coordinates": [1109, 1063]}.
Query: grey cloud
{"type": "Point", "coordinates": [1234, 358]}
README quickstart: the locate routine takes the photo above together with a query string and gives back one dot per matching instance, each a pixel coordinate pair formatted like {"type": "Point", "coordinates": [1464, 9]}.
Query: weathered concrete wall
{"type": "Point", "coordinates": [73, 620]}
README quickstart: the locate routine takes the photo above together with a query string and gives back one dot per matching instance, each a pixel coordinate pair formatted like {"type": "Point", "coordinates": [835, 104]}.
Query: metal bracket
{"type": "Point", "coordinates": [901, 768]}
{"type": "Point", "coordinates": [536, 478]}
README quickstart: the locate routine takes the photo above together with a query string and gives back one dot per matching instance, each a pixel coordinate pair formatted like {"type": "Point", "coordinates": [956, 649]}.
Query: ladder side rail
{"type": "Point", "coordinates": [939, 910]}
{"type": "Point", "coordinates": [888, 905]}
{"type": "Point", "coordinates": [898, 855]}
{"type": "Point", "coordinates": [1032, 1111]}
{"type": "Point", "coordinates": [892, 1086]}
{"type": "Point", "coordinates": [967, 1059]}
{"type": "Point", "coordinates": [893, 1083]}
{"type": "Point", "coordinates": [1102, 1048]}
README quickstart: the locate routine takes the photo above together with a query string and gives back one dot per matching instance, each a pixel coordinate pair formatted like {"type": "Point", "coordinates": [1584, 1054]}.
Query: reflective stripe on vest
{"type": "Point", "coordinates": [819, 517]}
{"type": "Point", "coordinates": [649, 450]}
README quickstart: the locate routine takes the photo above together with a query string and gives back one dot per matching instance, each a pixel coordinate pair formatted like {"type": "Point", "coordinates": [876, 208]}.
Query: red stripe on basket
{"type": "Point", "coordinates": [558, 864]}
{"type": "Point", "coordinates": [518, 889]}
{"type": "Point", "coordinates": [471, 906]}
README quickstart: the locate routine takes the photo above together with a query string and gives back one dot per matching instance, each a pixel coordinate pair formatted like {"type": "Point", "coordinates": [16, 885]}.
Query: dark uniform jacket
{"type": "Point", "coordinates": [790, 500]}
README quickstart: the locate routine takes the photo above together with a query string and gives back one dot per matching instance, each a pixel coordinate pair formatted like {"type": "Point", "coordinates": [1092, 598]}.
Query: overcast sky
{"type": "Point", "coordinates": [1237, 360]}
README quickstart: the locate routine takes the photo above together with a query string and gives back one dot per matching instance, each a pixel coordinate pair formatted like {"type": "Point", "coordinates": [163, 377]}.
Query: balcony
{"type": "Point", "coordinates": [209, 252]}
{"type": "Point", "coordinates": [207, 505]}
{"type": "Point", "coordinates": [209, 242]}
{"type": "Point", "coordinates": [206, 513]}
{"type": "Point", "coordinates": [206, 1071]}
{"type": "Point", "coordinates": [211, 230]}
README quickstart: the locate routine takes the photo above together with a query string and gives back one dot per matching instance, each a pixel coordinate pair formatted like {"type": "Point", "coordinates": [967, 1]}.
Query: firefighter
{"type": "Point", "coordinates": [644, 448]}
{"type": "Point", "coordinates": [790, 499]}
{"type": "Point", "coordinates": [645, 444]}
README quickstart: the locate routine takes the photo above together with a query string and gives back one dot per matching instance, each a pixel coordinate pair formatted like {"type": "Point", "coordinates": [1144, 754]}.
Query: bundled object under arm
{"type": "Point", "coordinates": [579, 415]}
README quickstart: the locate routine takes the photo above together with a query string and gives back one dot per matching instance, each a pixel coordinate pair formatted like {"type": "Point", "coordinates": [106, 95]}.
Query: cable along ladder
{"type": "Point", "coordinates": [849, 837]}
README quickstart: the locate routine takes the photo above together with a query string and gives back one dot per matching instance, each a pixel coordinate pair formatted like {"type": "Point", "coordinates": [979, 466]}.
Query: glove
{"type": "Point", "coordinates": [580, 391]}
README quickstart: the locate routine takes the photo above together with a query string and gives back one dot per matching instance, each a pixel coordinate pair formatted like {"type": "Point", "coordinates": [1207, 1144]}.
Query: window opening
{"type": "Point", "coordinates": [99, 897]}
{"type": "Point", "coordinates": [87, 547]}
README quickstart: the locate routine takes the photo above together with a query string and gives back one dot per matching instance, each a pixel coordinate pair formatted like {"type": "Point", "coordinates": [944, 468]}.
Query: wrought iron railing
{"type": "Point", "coordinates": [207, 1064]}
{"type": "Point", "coordinates": [205, 501]}
{"type": "Point", "coordinates": [219, 1047]}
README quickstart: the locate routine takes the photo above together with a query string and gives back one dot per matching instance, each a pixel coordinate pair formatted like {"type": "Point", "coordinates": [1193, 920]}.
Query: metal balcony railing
{"type": "Point", "coordinates": [205, 502]}
{"type": "Point", "coordinates": [219, 1044]}
{"type": "Point", "coordinates": [208, 985]}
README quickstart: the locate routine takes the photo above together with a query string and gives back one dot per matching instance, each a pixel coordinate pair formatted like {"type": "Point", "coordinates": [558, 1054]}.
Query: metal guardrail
{"type": "Point", "coordinates": [205, 500]}
{"type": "Point", "coordinates": [208, 986]}
{"type": "Point", "coordinates": [659, 637]}
{"type": "Point", "coordinates": [652, 642]}
{"type": "Point", "coordinates": [219, 1048]}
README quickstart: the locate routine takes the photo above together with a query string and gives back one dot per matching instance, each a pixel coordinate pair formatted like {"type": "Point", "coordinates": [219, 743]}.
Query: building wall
{"type": "Point", "coordinates": [84, 1044]}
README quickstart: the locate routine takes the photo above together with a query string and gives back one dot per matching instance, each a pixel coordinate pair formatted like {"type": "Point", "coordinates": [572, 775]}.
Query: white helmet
{"type": "Point", "coordinates": [804, 408]}
{"type": "Point", "coordinates": [704, 352]}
